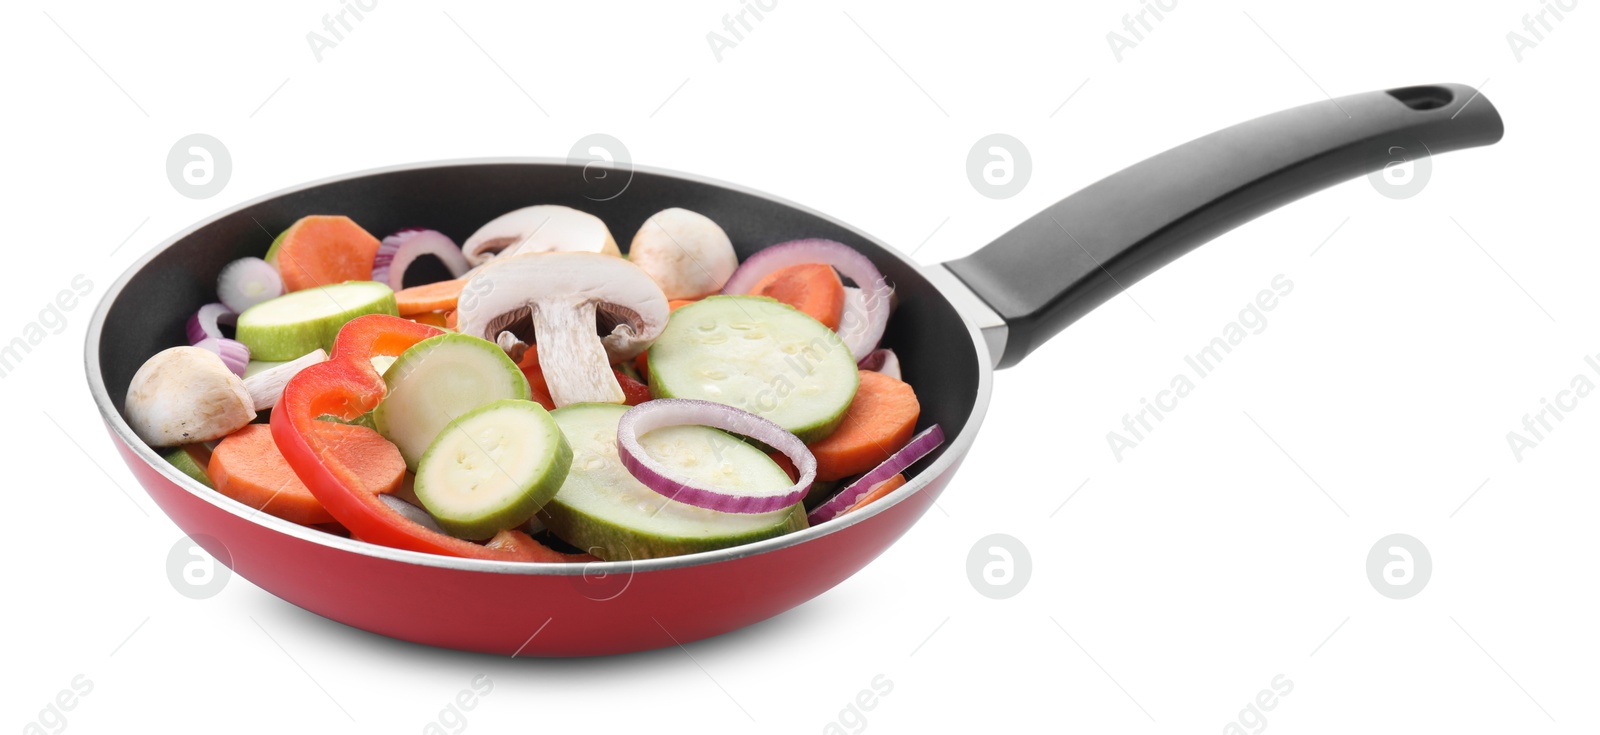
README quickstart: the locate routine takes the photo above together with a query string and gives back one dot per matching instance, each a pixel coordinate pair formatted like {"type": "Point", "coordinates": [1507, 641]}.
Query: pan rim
{"type": "Point", "coordinates": [957, 448]}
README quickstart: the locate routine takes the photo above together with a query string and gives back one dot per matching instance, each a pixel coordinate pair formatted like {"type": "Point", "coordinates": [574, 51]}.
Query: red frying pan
{"type": "Point", "coordinates": [955, 324]}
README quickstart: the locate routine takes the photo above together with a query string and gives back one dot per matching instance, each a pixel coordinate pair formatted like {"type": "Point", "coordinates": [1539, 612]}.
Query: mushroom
{"type": "Point", "coordinates": [587, 311]}
{"type": "Point", "coordinates": [544, 228]}
{"type": "Point", "coordinates": [687, 253]}
{"type": "Point", "coordinates": [184, 395]}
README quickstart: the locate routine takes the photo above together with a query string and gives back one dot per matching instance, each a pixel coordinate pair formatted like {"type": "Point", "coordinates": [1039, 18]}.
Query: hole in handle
{"type": "Point", "coordinates": [1423, 98]}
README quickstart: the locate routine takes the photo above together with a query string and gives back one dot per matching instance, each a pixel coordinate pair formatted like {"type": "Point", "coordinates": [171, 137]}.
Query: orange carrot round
{"type": "Point", "coordinates": [813, 288]}
{"type": "Point", "coordinates": [878, 423]}
{"type": "Point", "coordinates": [321, 250]}
{"type": "Point", "coordinates": [248, 467]}
{"type": "Point", "coordinates": [430, 318]}
{"type": "Point", "coordinates": [441, 296]}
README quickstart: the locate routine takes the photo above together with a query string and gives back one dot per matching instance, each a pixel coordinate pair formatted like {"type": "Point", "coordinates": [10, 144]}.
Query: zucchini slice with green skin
{"type": "Point", "coordinates": [299, 322]}
{"type": "Point", "coordinates": [493, 468]}
{"type": "Point", "coordinates": [188, 459]}
{"type": "Point", "coordinates": [603, 510]}
{"type": "Point", "coordinates": [435, 382]}
{"type": "Point", "coordinates": [758, 354]}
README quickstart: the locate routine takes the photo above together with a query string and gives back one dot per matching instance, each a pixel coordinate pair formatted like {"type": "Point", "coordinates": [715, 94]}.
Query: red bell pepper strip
{"type": "Point", "coordinates": [346, 386]}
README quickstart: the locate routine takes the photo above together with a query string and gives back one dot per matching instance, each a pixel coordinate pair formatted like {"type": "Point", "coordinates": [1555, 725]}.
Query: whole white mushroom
{"type": "Point", "coordinates": [184, 395]}
{"type": "Point", "coordinates": [686, 253]}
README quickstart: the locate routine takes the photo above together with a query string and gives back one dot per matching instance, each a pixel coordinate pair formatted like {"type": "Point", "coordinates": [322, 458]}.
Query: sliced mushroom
{"type": "Point", "coordinates": [184, 395]}
{"type": "Point", "coordinates": [587, 311]}
{"type": "Point", "coordinates": [545, 228]}
{"type": "Point", "coordinates": [687, 253]}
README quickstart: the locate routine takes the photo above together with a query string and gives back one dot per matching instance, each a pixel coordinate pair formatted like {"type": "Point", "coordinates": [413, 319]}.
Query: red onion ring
{"type": "Point", "coordinates": [401, 249]}
{"type": "Point", "coordinates": [882, 361]}
{"type": "Point", "coordinates": [919, 446]}
{"type": "Point", "coordinates": [661, 413]}
{"type": "Point", "coordinates": [246, 282]}
{"type": "Point", "coordinates": [865, 317]}
{"type": "Point", "coordinates": [204, 322]}
{"type": "Point", "coordinates": [234, 354]}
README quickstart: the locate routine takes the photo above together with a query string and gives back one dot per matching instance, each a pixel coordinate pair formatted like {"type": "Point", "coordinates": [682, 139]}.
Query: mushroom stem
{"type": "Point", "coordinates": [265, 387]}
{"type": "Point", "coordinates": [572, 358]}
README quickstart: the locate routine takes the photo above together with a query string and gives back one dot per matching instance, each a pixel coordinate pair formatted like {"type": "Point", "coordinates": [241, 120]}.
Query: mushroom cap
{"type": "Point", "coordinates": [184, 395]}
{"type": "Point", "coordinates": [688, 254]}
{"type": "Point", "coordinates": [542, 228]}
{"type": "Point", "coordinates": [631, 309]}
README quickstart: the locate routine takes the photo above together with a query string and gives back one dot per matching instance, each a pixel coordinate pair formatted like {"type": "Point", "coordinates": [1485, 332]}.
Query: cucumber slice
{"type": "Point", "coordinates": [492, 468]}
{"type": "Point", "coordinates": [758, 354]}
{"type": "Point", "coordinates": [438, 380]}
{"type": "Point", "coordinates": [295, 323]}
{"type": "Point", "coordinates": [603, 510]}
{"type": "Point", "coordinates": [191, 459]}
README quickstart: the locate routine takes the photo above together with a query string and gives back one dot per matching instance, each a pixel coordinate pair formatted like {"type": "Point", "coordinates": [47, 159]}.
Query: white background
{"type": "Point", "coordinates": [1166, 591]}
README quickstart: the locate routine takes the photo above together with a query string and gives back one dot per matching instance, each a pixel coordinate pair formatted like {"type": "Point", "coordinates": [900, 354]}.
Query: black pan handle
{"type": "Point", "coordinates": [1065, 261]}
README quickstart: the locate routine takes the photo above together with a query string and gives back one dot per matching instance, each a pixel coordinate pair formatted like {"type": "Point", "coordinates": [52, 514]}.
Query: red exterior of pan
{"type": "Point", "coordinates": [526, 609]}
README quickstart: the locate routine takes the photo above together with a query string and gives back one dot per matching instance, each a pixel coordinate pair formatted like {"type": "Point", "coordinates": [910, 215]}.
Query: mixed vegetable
{"type": "Point", "coordinates": [554, 401]}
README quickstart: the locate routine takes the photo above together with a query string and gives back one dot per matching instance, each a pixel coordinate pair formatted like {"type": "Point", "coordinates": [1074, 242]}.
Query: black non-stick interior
{"type": "Point", "coordinates": [937, 355]}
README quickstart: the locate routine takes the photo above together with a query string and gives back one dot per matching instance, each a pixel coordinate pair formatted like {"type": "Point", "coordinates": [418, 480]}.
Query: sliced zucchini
{"type": "Point", "coordinates": [435, 382]}
{"type": "Point", "coordinates": [492, 468]}
{"type": "Point", "coordinates": [295, 323]}
{"type": "Point", "coordinates": [603, 510]}
{"type": "Point", "coordinates": [758, 354]}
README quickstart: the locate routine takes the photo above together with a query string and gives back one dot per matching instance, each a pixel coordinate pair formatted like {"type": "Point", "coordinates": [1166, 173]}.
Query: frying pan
{"type": "Point", "coordinates": [956, 323]}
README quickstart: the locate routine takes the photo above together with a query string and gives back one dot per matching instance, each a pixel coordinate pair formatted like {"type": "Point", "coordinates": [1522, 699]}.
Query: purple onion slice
{"type": "Point", "coordinates": [865, 314]}
{"type": "Point", "coordinates": [920, 445]}
{"type": "Point", "coordinates": [661, 413]}
{"type": "Point", "coordinates": [401, 249]}
{"type": "Point", "coordinates": [204, 322]}
{"type": "Point", "coordinates": [246, 282]}
{"type": "Point", "coordinates": [882, 361]}
{"type": "Point", "coordinates": [234, 354]}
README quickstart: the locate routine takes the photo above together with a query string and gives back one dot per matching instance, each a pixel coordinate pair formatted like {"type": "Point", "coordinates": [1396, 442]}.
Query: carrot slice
{"type": "Point", "coordinates": [878, 423]}
{"type": "Point", "coordinates": [321, 250]}
{"type": "Point", "coordinates": [441, 296]}
{"type": "Point", "coordinates": [248, 467]}
{"type": "Point", "coordinates": [813, 288]}
{"type": "Point", "coordinates": [430, 318]}
{"type": "Point", "coordinates": [450, 319]}
{"type": "Point", "coordinates": [879, 490]}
